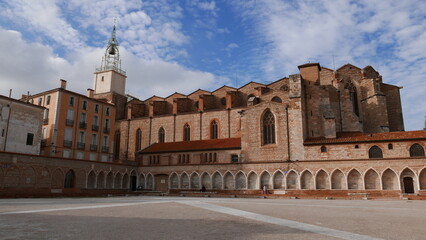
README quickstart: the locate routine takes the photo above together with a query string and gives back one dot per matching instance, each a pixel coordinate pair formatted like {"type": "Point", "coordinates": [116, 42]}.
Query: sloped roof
{"type": "Point", "coordinates": [356, 137]}
{"type": "Point", "coordinates": [191, 146]}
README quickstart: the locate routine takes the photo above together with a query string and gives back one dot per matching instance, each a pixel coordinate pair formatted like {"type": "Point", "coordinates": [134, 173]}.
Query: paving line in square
{"type": "Point", "coordinates": [279, 221]}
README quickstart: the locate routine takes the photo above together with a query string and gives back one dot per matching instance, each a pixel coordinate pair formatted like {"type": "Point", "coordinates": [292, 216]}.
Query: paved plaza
{"type": "Point", "coordinates": [210, 218]}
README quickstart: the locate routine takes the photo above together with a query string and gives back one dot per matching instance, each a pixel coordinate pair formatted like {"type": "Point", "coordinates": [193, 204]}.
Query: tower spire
{"type": "Point", "coordinates": [111, 59]}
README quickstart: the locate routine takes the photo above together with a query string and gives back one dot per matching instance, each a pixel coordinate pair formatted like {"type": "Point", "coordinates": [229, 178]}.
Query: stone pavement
{"type": "Point", "coordinates": [210, 218]}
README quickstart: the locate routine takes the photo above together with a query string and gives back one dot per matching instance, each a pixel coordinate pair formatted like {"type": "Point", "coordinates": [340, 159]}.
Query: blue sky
{"type": "Point", "coordinates": [169, 46]}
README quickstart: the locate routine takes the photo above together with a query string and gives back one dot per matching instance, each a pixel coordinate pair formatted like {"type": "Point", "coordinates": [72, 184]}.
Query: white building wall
{"type": "Point", "coordinates": [17, 120]}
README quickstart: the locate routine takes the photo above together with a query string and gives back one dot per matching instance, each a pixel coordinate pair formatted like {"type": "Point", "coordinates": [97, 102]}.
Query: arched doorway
{"type": "Point", "coordinates": [408, 181]}
{"type": "Point", "coordinates": [69, 179]}
{"type": "Point", "coordinates": [408, 185]}
{"type": "Point", "coordinates": [265, 178]}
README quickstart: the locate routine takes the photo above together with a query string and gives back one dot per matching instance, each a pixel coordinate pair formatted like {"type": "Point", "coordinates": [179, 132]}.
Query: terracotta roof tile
{"type": "Point", "coordinates": [355, 137]}
{"type": "Point", "coordinates": [188, 146]}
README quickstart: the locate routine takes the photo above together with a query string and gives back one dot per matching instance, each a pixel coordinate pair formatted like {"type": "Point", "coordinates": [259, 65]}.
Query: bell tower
{"type": "Point", "coordinates": [109, 77]}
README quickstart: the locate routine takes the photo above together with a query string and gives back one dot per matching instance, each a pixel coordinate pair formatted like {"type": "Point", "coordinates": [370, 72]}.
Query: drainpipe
{"type": "Point", "coordinates": [174, 127]}
{"type": "Point", "coordinates": [340, 111]}
{"type": "Point", "coordinates": [229, 123]}
{"type": "Point", "coordinates": [127, 140]}
{"type": "Point", "coordinates": [288, 134]}
{"type": "Point", "coordinates": [150, 130]}
{"type": "Point", "coordinates": [201, 125]}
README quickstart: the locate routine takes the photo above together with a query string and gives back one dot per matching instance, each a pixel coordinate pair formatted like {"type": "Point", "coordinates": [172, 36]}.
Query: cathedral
{"type": "Point", "coordinates": [317, 133]}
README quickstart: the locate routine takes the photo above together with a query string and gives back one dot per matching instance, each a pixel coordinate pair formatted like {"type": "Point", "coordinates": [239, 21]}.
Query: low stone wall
{"type": "Point", "coordinates": [23, 175]}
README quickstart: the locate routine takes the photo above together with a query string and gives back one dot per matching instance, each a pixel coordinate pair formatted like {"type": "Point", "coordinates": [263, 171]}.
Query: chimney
{"type": "Point", "coordinates": [63, 84]}
{"type": "Point", "coordinates": [90, 93]}
{"type": "Point", "coordinates": [310, 72]}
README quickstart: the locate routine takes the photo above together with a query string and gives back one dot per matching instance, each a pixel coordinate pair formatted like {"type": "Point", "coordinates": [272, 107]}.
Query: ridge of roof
{"type": "Point", "coordinates": [197, 145]}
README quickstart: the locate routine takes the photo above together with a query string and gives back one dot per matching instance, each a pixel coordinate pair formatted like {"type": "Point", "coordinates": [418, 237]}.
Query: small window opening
{"type": "Point", "coordinates": [30, 138]}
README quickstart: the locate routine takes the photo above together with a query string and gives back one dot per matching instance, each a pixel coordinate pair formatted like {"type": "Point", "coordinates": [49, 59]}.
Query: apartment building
{"type": "Point", "coordinates": [74, 125]}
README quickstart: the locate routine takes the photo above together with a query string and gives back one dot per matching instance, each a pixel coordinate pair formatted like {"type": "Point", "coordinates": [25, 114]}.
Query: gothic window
{"type": "Point", "coordinates": [416, 150]}
{"type": "Point", "coordinates": [48, 100]}
{"type": "Point", "coordinates": [69, 179]}
{"type": "Point", "coordinates": [268, 124]}
{"type": "Point", "coordinates": [213, 129]}
{"type": "Point", "coordinates": [375, 152]}
{"type": "Point", "coordinates": [276, 99]}
{"type": "Point", "coordinates": [161, 135]}
{"type": "Point", "coordinates": [138, 139]}
{"type": "Point", "coordinates": [186, 132]}
{"type": "Point", "coordinates": [354, 99]}
{"type": "Point", "coordinates": [323, 149]}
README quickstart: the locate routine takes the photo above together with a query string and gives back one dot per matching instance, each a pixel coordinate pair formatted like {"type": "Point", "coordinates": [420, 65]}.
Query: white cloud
{"type": "Point", "coordinates": [42, 16]}
{"type": "Point", "coordinates": [37, 64]}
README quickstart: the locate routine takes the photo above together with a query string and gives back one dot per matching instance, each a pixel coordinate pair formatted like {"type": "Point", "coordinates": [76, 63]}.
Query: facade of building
{"type": "Point", "coordinates": [317, 130]}
{"type": "Point", "coordinates": [74, 125]}
{"type": "Point", "coordinates": [320, 132]}
{"type": "Point", "coordinates": [20, 126]}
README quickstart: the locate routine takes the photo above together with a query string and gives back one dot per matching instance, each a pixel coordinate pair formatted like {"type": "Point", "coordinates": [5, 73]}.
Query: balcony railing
{"type": "Point", "coordinates": [67, 143]}
{"type": "Point", "coordinates": [106, 130]}
{"type": "Point", "coordinates": [105, 149]}
{"type": "Point", "coordinates": [81, 145]}
{"type": "Point", "coordinates": [83, 125]}
{"type": "Point", "coordinates": [69, 122]}
{"type": "Point", "coordinates": [93, 147]}
{"type": "Point", "coordinates": [45, 121]}
{"type": "Point", "coordinates": [95, 127]}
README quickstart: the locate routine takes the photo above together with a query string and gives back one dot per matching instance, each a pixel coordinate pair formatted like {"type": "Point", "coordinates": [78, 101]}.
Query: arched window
{"type": "Point", "coordinates": [138, 139]}
{"type": "Point", "coordinates": [416, 150]}
{"type": "Point", "coordinates": [268, 124]}
{"type": "Point", "coordinates": [276, 99]}
{"type": "Point", "coordinates": [161, 135]}
{"type": "Point", "coordinates": [69, 179]}
{"type": "Point", "coordinates": [186, 132]}
{"type": "Point", "coordinates": [354, 100]}
{"type": "Point", "coordinates": [375, 152]}
{"type": "Point", "coordinates": [323, 149]}
{"type": "Point", "coordinates": [213, 129]}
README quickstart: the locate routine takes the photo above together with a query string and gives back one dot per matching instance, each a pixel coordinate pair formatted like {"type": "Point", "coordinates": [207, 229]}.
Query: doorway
{"type": "Point", "coordinates": [408, 185]}
{"type": "Point", "coordinates": [161, 183]}
{"type": "Point", "coordinates": [133, 183]}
